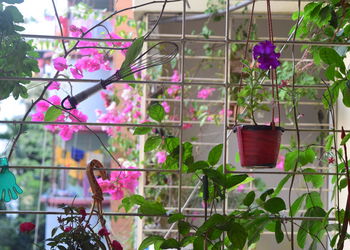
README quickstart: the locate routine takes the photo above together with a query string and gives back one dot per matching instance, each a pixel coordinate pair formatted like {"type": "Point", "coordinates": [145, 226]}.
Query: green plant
{"type": "Point", "coordinates": [17, 56]}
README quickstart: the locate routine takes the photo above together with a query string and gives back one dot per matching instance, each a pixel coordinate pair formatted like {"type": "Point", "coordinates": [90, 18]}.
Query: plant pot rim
{"type": "Point", "coordinates": [257, 127]}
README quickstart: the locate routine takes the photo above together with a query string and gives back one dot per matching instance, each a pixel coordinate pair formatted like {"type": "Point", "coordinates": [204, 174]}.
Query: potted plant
{"type": "Point", "coordinates": [258, 144]}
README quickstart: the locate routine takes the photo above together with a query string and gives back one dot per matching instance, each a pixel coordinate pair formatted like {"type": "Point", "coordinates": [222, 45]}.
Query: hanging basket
{"type": "Point", "coordinates": [258, 145]}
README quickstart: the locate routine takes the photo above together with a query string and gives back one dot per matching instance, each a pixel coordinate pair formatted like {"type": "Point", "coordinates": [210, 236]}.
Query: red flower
{"type": "Point", "coordinates": [68, 229]}
{"type": "Point", "coordinates": [331, 160]}
{"type": "Point", "coordinates": [103, 232]}
{"type": "Point", "coordinates": [26, 227]}
{"type": "Point", "coordinates": [83, 213]}
{"type": "Point", "coordinates": [284, 83]}
{"type": "Point", "coordinates": [116, 245]}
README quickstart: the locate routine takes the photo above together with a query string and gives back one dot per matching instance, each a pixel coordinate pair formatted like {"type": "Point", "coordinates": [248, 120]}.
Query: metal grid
{"type": "Point", "coordinates": [183, 40]}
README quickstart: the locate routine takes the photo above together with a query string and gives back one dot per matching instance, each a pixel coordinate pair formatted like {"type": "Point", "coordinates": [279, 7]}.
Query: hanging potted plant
{"type": "Point", "coordinates": [258, 144]}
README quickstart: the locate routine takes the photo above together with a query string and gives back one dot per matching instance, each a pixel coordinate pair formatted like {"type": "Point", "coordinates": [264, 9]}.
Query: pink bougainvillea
{"type": "Point", "coordinates": [280, 162]}
{"type": "Point", "coordinates": [60, 63]}
{"type": "Point", "coordinates": [66, 131]}
{"type": "Point", "coordinates": [205, 93]}
{"type": "Point", "coordinates": [54, 86]}
{"type": "Point", "coordinates": [166, 107]}
{"type": "Point", "coordinates": [161, 157]}
{"type": "Point", "coordinates": [120, 182]}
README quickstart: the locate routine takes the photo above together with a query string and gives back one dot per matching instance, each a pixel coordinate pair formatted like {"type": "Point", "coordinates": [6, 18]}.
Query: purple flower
{"type": "Point", "coordinates": [265, 53]}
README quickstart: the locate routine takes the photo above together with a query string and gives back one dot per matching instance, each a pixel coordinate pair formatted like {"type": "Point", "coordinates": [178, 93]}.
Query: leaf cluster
{"type": "Point", "coordinates": [17, 56]}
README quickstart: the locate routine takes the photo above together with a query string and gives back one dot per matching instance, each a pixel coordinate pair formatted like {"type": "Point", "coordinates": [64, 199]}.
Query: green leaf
{"type": "Point", "coordinates": [170, 243]}
{"type": "Point", "coordinates": [215, 175]}
{"type": "Point", "coordinates": [171, 143]}
{"type": "Point", "coordinates": [176, 217]}
{"type": "Point", "coordinates": [132, 53]}
{"type": "Point", "coordinates": [279, 235]}
{"type": "Point", "coordinates": [281, 185]}
{"type": "Point", "coordinates": [346, 96]}
{"type": "Point", "coordinates": [345, 139]}
{"type": "Point", "coordinates": [316, 180]}
{"type": "Point", "coordinates": [234, 180]}
{"type": "Point", "coordinates": [249, 199]}
{"type": "Point", "coordinates": [210, 223]}
{"type": "Point", "coordinates": [215, 154]}
{"type": "Point", "coordinates": [156, 112]}
{"type": "Point", "coordinates": [301, 235]}
{"type": "Point", "coordinates": [198, 243]}
{"type": "Point", "coordinates": [184, 227]}
{"type": "Point", "coordinates": [237, 235]}
{"type": "Point", "coordinates": [150, 241]}
{"type": "Point", "coordinates": [331, 94]}
{"type": "Point", "coordinates": [152, 208]}
{"type": "Point", "coordinates": [143, 130]}
{"type": "Point", "coordinates": [329, 142]}
{"type": "Point", "coordinates": [330, 56]}
{"type": "Point", "coordinates": [313, 199]}
{"type": "Point", "coordinates": [330, 71]}
{"type": "Point", "coordinates": [15, 14]}
{"type": "Point", "coordinates": [275, 205]}
{"type": "Point", "coordinates": [52, 114]}
{"type": "Point", "coordinates": [296, 205]}
{"type": "Point", "coordinates": [290, 160]}
{"type": "Point", "coordinates": [187, 240]}
{"type": "Point", "coordinates": [266, 193]}
{"type": "Point", "coordinates": [152, 143]}
{"type": "Point", "coordinates": [197, 166]}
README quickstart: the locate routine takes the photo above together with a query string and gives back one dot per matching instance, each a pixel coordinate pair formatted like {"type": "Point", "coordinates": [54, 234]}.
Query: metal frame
{"type": "Point", "coordinates": [183, 40]}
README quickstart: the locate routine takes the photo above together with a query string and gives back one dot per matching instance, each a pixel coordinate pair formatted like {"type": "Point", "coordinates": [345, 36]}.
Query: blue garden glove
{"type": "Point", "coordinates": [9, 189]}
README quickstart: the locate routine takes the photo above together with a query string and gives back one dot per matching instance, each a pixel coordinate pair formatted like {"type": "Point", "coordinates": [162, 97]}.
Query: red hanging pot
{"type": "Point", "coordinates": [258, 145]}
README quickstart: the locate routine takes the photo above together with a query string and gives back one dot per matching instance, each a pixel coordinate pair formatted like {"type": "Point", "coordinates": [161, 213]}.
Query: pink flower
{"type": "Point", "coordinates": [66, 133]}
{"type": "Point", "coordinates": [73, 28]}
{"type": "Point", "coordinates": [42, 106]}
{"type": "Point", "coordinates": [166, 107]}
{"type": "Point", "coordinates": [161, 157]}
{"type": "Point", "coordinates": [56, 100]}
{"type": "Point", "coordinates": [113, 36]}
{"type": "Point", "coordinates": [175, 77]}
{"type": "Point", "coordinates": [117, 194]}
{"type": "Point", "coordinates": [106, 185]}
{"type": "Point", "coordinates": [229, 112]}
{"type": "Point", "coordinates": [205, 93]}
{"type": "Point", "coordinates": [116, 245]}
{"type": "Point", "coordinates": [54, 85]}
{"type": "Point", "coordinates": [240, 188]}
{"type": "Point", "coordinates": [280, 162]}
{"type": "Point", "coordinates": [173, 89]}
{"type": "Point", "coordinates": [38, 117]}
{"type": "Point", "coordinates": [26, 227]}
{"type": "Point", "coordinates": [103, 232]}
{"type": "Point", "coordinates": [68, 229]}
{"type": "Point", "coordinates": [60, 63]}
{"type": "Point", "coordinates": [76, 72]}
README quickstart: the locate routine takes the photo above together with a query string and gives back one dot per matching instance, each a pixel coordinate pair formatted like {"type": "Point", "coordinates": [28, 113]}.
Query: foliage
{"type": "Point", "coordinates": [17, 56]}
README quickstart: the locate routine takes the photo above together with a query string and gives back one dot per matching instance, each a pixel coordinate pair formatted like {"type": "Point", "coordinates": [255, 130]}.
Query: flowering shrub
{"type": "Point", "coordinates": [120, 182]}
